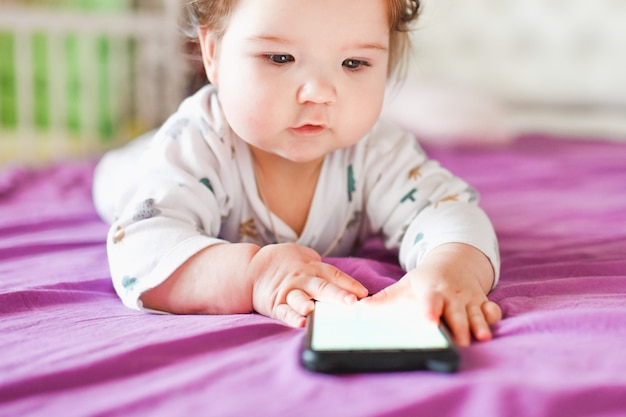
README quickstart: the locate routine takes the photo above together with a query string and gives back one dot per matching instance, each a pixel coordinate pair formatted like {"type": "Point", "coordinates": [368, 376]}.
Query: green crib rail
{"type": "Point", "coordinates": [106, 101]}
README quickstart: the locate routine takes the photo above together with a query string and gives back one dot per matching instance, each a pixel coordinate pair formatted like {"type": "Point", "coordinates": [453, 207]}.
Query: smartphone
{"type": "Point", "coordinates": [375, 338]}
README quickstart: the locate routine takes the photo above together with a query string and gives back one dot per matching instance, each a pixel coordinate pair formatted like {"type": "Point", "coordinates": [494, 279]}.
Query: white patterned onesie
{"type": "Point", "coordinates": [192, 185]}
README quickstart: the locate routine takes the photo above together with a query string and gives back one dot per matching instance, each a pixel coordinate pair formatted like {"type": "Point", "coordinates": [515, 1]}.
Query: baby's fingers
{"type": "Point", "coordinates": [286, 314]}
{"type": "Point", "coordinates": [340, 279]}
{"type": "Point", "coordinates": [478, 323]}
{"type": "Point", "coordinates": [478, 319]}
{"type": "Point", "coordinates": [300, 302]}
{"type": "Point", "coordinates": [397, 291]}
{"type": "Point", "coordinates": [458, 321]}
{"type": "Point", "coordinates": [323, 290]}
{"type": "Point", "coordinates": [492, 312]}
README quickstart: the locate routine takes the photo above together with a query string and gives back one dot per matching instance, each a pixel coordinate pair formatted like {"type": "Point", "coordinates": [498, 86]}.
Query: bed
{"type": "Point", "coordinates": [70, 348]}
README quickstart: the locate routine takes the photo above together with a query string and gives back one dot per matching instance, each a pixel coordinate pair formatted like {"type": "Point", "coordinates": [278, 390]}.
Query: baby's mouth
{"type": "Point", "coordinates": [309, 129]}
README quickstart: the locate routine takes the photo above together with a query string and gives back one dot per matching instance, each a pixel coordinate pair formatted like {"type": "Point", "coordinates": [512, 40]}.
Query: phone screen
{"type": "Point", "coordinates": [362, 326]}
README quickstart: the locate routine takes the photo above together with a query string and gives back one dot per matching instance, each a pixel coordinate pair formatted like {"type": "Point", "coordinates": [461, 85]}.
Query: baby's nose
{"type": "Point", "coordinates": [317, 89]}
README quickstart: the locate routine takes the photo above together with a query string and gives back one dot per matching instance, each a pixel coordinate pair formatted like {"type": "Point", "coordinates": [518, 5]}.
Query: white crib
{"type": "Point", "coordinates": [74, 82]}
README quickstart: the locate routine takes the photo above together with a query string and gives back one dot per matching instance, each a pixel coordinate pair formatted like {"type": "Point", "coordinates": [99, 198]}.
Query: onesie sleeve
{"type": "Point", "coordinates": [417, 205]}
{"type": "Point", "coordinates": [171, 211]}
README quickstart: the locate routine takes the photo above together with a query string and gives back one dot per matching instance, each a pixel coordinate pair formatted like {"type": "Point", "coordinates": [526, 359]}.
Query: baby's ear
{"type": "Point", "coordinates": [209, 47]}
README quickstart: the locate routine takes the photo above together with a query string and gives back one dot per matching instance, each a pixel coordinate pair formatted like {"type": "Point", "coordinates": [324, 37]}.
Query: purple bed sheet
{"type": "Point", "coordinates": [69, 348]}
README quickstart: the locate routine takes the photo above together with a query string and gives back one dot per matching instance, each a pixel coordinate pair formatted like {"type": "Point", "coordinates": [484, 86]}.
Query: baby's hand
{"type": "Point", "coordinates": [287, 277]}
{"type": "Point", "coordinates": [452, 283]}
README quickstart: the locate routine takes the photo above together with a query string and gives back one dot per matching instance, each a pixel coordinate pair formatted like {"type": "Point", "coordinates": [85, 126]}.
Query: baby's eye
{"type": "Point", "coordinates": [280, 59]}
{"type": "Point", "coordinates": [354, 64]}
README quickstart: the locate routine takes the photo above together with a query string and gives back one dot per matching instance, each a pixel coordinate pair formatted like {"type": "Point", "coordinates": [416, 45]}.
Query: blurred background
{"type": "Point", "coordinates": [81, 76]}
{"type": "Point", "coordinates": [556, 66]}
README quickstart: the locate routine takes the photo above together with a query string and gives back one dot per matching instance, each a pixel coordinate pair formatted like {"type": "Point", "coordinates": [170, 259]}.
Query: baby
{"type": "Point", "coordinates": [282, 161]}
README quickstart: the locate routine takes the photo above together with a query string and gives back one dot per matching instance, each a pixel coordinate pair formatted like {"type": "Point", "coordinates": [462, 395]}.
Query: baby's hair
{"type": "Point", "coordinates": [214, 14]}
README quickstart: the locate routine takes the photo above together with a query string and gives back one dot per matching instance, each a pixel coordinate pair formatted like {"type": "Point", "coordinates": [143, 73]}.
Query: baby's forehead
{"type": "Point", "coordinates": [338, 23]}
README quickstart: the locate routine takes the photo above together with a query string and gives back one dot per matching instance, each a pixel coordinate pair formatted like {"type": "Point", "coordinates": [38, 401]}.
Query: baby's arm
{"type": "Point", "coordinates": [451, 282]}
{"type": "Point", "coordinates": [278, 281]}
{"type": "Point", "coordinates": [451, 258]}
{"type": "Point", "coordinates": [448, 245]}
{"type": "Point", "coordinates": [168, 248]}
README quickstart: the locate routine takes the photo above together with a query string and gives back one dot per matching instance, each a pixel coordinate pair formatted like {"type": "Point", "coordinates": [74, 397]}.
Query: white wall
{"type": "Point", "coordinates": [557, 65]}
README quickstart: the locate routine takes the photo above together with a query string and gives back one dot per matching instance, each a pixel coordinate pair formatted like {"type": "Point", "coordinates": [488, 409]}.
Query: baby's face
{"type": "Point", "coordinates": [301, 78]}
